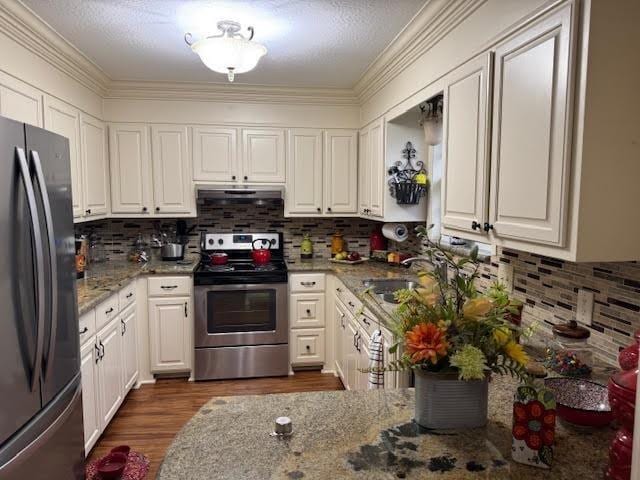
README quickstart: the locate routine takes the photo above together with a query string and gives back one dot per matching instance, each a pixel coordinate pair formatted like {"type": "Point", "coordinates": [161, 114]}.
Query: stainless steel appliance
{"type": "Point", "coordinates": [241, 310]}
{"type": "Point", "coordinates": [239, 194]}
{"type": "Point", "coordinates": [41, 434]}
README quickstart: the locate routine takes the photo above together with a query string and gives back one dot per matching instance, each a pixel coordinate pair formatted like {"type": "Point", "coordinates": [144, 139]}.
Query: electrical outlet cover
{"type": "Point", "coordinates": [585, 306]}
{"type": "Point", "coordinates": [505, 276]}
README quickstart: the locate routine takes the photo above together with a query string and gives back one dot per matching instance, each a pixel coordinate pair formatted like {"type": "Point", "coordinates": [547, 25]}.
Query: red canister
{"type": "Point", "coordinates": [377, 241]}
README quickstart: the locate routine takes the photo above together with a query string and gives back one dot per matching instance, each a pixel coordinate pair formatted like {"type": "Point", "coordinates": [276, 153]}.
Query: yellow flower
{"type": "Point", "coordinates": [516, 352]}
{"type": "Point", "coordinates": [502, 336]}
{"type": "Point", "coordinates": [476, 308]}
{"type": "Point", "coordinates": [429, 290]}
{"type": "Point", "coordinates": [427, 281]}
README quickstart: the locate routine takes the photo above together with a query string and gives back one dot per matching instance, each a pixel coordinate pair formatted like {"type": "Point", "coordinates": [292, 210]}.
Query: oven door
{"type": "Point", "coordinates": [236, 315]}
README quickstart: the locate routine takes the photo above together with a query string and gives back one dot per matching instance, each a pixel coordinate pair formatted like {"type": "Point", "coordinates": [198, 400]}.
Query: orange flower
{"type": "Point", "coordinates": [426, 342]}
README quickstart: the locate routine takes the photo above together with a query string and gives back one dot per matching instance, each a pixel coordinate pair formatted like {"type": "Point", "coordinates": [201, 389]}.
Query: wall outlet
{"type": "Point", "coordinates": [585, 306]}
{"type": "Point", "coordinates": [505, 276]}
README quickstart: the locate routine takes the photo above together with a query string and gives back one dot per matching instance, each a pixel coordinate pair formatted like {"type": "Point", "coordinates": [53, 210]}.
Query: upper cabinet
{"type": "Point", "coordinates": [465, 167]}
{"type": "Point", "coordinates": [371, 169]}
{"type": "Point", "coordinates": [322, 172]}
{"type": "Point", "coordinates": [20, 101]}
{"type": "Point", "coordinates": [263, 155]}
{"type": "Point", "coordinates": [172, 185]}
{"type": "Point", "coordinates": [130, 159]}
{"type": "Point", "coordinates": [530, 154]}
{"type": "Point", "coordinates": [64, 120]}
{"type": "Point", "coordinates": [95, 166]}
{"type": "Point", "coordinates": [215, 157]}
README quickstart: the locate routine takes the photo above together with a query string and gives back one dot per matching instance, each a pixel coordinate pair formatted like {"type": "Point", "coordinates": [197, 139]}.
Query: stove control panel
{"type": "Point", "coordinates": [239, 241]}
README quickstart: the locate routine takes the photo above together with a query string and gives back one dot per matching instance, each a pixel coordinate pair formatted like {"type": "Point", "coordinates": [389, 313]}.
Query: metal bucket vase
{"type": "Point", "coordinates": [444, 402]}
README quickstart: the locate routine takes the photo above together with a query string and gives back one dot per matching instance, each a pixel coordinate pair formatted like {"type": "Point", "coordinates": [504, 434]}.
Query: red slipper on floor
{"type": "Point", "coordinates": [136, 468]}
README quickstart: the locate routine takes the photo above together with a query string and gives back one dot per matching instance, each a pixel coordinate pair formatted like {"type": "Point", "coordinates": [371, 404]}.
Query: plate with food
{"type": "Point", "coordinates": [349, 258]}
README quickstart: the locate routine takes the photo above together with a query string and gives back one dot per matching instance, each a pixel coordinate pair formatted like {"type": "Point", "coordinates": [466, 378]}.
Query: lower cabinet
{"type": "Point", "coordinates": [169, 331]}
{"type": "Point", "coordinates": [307, 320]}
{"type": "Point", "coordinates": [110, 370]}
{"type": "Point", "coordinates": [129, 347]}
{"type": "Point", "coordinates": [89, 371]}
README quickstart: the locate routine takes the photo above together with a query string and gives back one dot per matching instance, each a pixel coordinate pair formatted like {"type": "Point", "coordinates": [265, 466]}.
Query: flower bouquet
{"type": "Point", "coordinates": [454, 337]}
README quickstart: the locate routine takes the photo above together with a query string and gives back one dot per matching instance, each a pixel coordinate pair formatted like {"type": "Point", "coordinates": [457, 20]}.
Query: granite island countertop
{"type": "Point", "coordinates": [103, 279]}
{"type": "Point", "coordinates": [364, 435]}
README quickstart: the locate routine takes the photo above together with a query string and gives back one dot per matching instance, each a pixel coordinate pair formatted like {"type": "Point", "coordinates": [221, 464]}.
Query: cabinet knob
{"type": "Point", "coordinates": [144, 209]}
{"type": "Point", "coordinates": [308, 347]}
{"type": "Point", "coordinates": [246, 178]}
{"type": "Point", "coordinates": [157, 209]}
{"type": "Point", "coordinates": [233, 177]}
{"type": "Point", "coordinates": [88, 211]}
{"type": "Point", "coordinates": [308, 311]}
{"type": "Point", "coordinates": [487, 226]}
{"type": "Point", "coordinates": [319, 209]}
{"type": "Point", "coordinates": [475, 225]}
{"type": "Point", "coordinates": [329, 209]}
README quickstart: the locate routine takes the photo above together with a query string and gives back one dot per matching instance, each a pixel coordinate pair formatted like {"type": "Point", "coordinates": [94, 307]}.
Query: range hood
{"type": "Point", "coordinates": [239, 195]}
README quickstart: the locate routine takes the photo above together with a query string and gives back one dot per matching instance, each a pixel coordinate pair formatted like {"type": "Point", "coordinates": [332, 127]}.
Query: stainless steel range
{"type": "Point", "coordinates": [241, 309]}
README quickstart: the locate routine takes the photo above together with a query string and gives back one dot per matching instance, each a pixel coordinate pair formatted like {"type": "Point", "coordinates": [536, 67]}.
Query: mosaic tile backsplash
{"type": "Point", "coordinates": [547, 286]}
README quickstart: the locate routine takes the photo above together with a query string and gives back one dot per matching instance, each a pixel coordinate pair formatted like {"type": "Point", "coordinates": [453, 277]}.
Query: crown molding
{"type": "Point", "coordinates": [225, 92]}
{"type": "Point", "coordinates": [430, 25]}
{"type": "Point", "coordinates": [25, 27]}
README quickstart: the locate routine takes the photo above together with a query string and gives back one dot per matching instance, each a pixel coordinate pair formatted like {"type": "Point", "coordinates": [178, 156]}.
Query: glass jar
{"type": "Point", "coordinates": [569, 352]}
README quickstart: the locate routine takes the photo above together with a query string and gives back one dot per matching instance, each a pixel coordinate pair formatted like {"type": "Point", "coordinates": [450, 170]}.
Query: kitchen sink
{"type": "Point", "coordinates": [384, 288]}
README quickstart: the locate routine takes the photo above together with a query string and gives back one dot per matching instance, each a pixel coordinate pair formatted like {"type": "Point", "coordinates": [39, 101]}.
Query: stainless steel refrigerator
{"type": "Point", "coordinates": [41, 434]}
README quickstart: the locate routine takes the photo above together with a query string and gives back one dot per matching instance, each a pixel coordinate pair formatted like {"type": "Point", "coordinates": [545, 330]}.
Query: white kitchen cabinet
{"type": "Point", "coordinates": [530, 152]}
{"type": "Point", "coordinates": [90, 399]}
{"type": "Point", "coordinates": [64, 120]}
{"type": "Point", "coordinates": [304, 175]}
{"type": "Point", "coordinates": [306, 310]}
{"type": "Point", "coordinates": [371, 169]}
{"type": "Point", "coordinates": [307, 346]}
{"type": "Point", "coordinates": [19, 101]}
{"type": "Point", "coordinates": [465, 155]}
{"type": "Point", "coordinates": [128, 330]}
{"type": "Point", "coordinates": [172, 184]}
{"type": "Point", "coordinates": [215, 157]}
{"type": "Point", "coordinates": [169, 328]}
{"type": "Point", "coordinates": [95, 167]}
{"type": "Point", "coordinates": [307, 335]}
{"type": "Point", "coordinates": [109, 342]}
{"type": "Point", "coordinates": [130, 160]}
{"type": "Point", "coordinates": [350, 354]}
{"type": "Point", "coordinates": [263, 155]}
{"type": "Point", "coordinates": [340, 329]}
{"type": "Point", "coordinates": [341, 172]}
{"type": "Point", "coordinates": [362, 347]}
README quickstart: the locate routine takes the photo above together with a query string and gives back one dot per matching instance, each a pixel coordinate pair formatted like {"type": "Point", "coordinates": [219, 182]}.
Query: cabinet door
{"type": "Point", "coordinates": [170, 346]}
{"type": "Point", "coordinates": [465, 155]}
{"type": "Point", "coordinates": [306, 310]}
{"type": "Point", "coordinates": [263, 156]}
{"type": "Point", "coordinates": [20, 101]}
{"type": "Point", "coordinates": [95, 168]}
{"type": "Point", "coordinates": [364, 175]}
{"type": "Point", "coordinates": [362, 379]}
{"type": "Point", "coordinates": [304, 176]}
{"type": "Point", "coordinates": [172, 185]}
{"type": "Point", "coordinates": [307, 346]}
{"type": "Point", "coordinates": [377, 172]}
{"type": "Point", "coordinates": [340, 330]}
{"type": "Point", "coordinates": [350, 354]}
{"type": "Point", "coordinates": [215, 156]}
{"type": "Point", "coordinates": [128, 327]}
{"type": "Point", "coordinates": [531, 139]}
{"type": "Point", "coordinates": [341, 171]}
{"type": "Point", "coordinates": [64, 120]}
{"type": "Point", "coordinates": [130, 162]}
{"type": "Point", "coordinates": [110, 370]}
{"type": "Point", "coordinates": [90, 400]}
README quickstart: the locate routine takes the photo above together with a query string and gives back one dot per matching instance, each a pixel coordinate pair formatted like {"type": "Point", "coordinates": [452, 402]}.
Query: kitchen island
{"type": "Point", "coordinates": [364, 435]}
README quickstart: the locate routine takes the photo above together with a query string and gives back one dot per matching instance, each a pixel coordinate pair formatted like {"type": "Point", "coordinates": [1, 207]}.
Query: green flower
{"type": "Point", "coordinates": [471, 363]}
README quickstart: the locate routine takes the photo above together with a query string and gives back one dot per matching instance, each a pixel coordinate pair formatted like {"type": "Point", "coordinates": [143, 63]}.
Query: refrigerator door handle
{"type": "Point", "coordinates": [48, 218]}
{"type": "Point", "coordinates": [39, 254]}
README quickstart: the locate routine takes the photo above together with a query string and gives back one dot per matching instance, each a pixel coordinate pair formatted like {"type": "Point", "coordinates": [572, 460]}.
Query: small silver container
{"type": "Point", "coordinates": [283, 426]}
{"type": "Point", "coordinates": [172, 251]}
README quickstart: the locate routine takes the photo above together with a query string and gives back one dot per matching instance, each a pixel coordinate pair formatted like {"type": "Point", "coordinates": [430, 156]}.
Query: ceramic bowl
{"type": "Point", "coordinates": [125, 449]}
{"type": "Point", "coordinates": [111, 466]}
{"type": "Point", "coordinates": [581, 402]}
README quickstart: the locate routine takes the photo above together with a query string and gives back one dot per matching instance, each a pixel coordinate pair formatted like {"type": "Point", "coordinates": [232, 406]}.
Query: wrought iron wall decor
{"type": "Point", "coordinates": [408, 183]}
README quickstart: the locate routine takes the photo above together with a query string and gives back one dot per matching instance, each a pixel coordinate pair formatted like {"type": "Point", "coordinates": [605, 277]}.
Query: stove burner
{"type": "Point", "coordinates": [218, 268]}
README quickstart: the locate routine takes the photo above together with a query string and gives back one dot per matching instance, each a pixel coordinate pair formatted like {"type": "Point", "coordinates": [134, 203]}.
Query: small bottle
{"type": "Point", "coordinates": [337, 244]}
{"type": "Point", "coordinates": [306, 247]}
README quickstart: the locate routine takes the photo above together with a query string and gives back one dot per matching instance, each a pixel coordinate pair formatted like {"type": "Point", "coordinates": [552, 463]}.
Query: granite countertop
{"type": "Point", "coordinates": [364, 435]}
{"type": "Point", "coordinates": [353, 276]}
{"type": "Point", "coordinates": [103, 279]}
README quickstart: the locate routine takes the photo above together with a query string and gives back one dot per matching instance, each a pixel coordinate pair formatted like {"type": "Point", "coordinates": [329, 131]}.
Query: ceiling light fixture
{"type": "Point", "coordinates": [230, 52]}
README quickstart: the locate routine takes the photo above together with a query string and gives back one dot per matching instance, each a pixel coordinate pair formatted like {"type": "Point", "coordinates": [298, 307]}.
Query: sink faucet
{"type": "Point", "coordinates": [440, 267]}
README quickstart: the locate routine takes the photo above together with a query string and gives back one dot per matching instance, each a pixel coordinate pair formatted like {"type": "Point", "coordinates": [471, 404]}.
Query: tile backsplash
{"type": "Point", "coordinates": [118, 235]}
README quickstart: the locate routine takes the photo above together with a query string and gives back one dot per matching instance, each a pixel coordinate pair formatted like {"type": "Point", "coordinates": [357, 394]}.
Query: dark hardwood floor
{"type": "Point", "coordinates": [151, 416]}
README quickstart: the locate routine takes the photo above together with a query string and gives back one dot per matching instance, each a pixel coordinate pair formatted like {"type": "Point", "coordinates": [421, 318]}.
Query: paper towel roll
{"type": "Point", "coordinates": [397, 232]}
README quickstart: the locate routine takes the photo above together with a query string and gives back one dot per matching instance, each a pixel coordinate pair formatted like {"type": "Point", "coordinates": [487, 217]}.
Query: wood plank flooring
{"type": "Point", "coordinates": [151, 416]}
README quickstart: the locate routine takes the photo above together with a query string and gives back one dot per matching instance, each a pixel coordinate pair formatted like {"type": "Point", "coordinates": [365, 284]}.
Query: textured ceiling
{"type": "Point", "coordinates": [313, 43]}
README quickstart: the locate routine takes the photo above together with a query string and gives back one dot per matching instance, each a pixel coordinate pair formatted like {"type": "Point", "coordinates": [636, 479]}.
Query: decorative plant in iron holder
{"type": "Point", "coordinates": [408, 183]}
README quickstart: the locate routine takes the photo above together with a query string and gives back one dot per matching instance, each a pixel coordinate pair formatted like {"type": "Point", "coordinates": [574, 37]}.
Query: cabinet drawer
{"type": "Point", "coordinates": [106, 311]}
{"type": "Point", "coordinates": [307, 282]}
{"type": "Point", "coordinates": [307, 346]}
{"type": "Point", "coordinates": [348, 299]}
{"type": "Point", "coordinates": [161, 286]}
{"type": "Point", "coordinates": [127, 295]}
{"type": "Point", "coordinates": [87, 326]}
{"type": "Point", "coordinates": [367, 321]}
{"type": "Point", "coordinates": [306, 310]}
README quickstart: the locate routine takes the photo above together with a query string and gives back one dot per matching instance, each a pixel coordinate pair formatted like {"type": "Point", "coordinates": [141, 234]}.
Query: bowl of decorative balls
{"type": "Point", "coordinates": [581, 402]}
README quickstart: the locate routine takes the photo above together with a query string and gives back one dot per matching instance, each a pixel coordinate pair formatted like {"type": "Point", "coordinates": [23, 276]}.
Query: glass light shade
{"type": "Point", "coordinates": [432, 131]}
{"type": "Point", "coordinates": [225, 54]}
